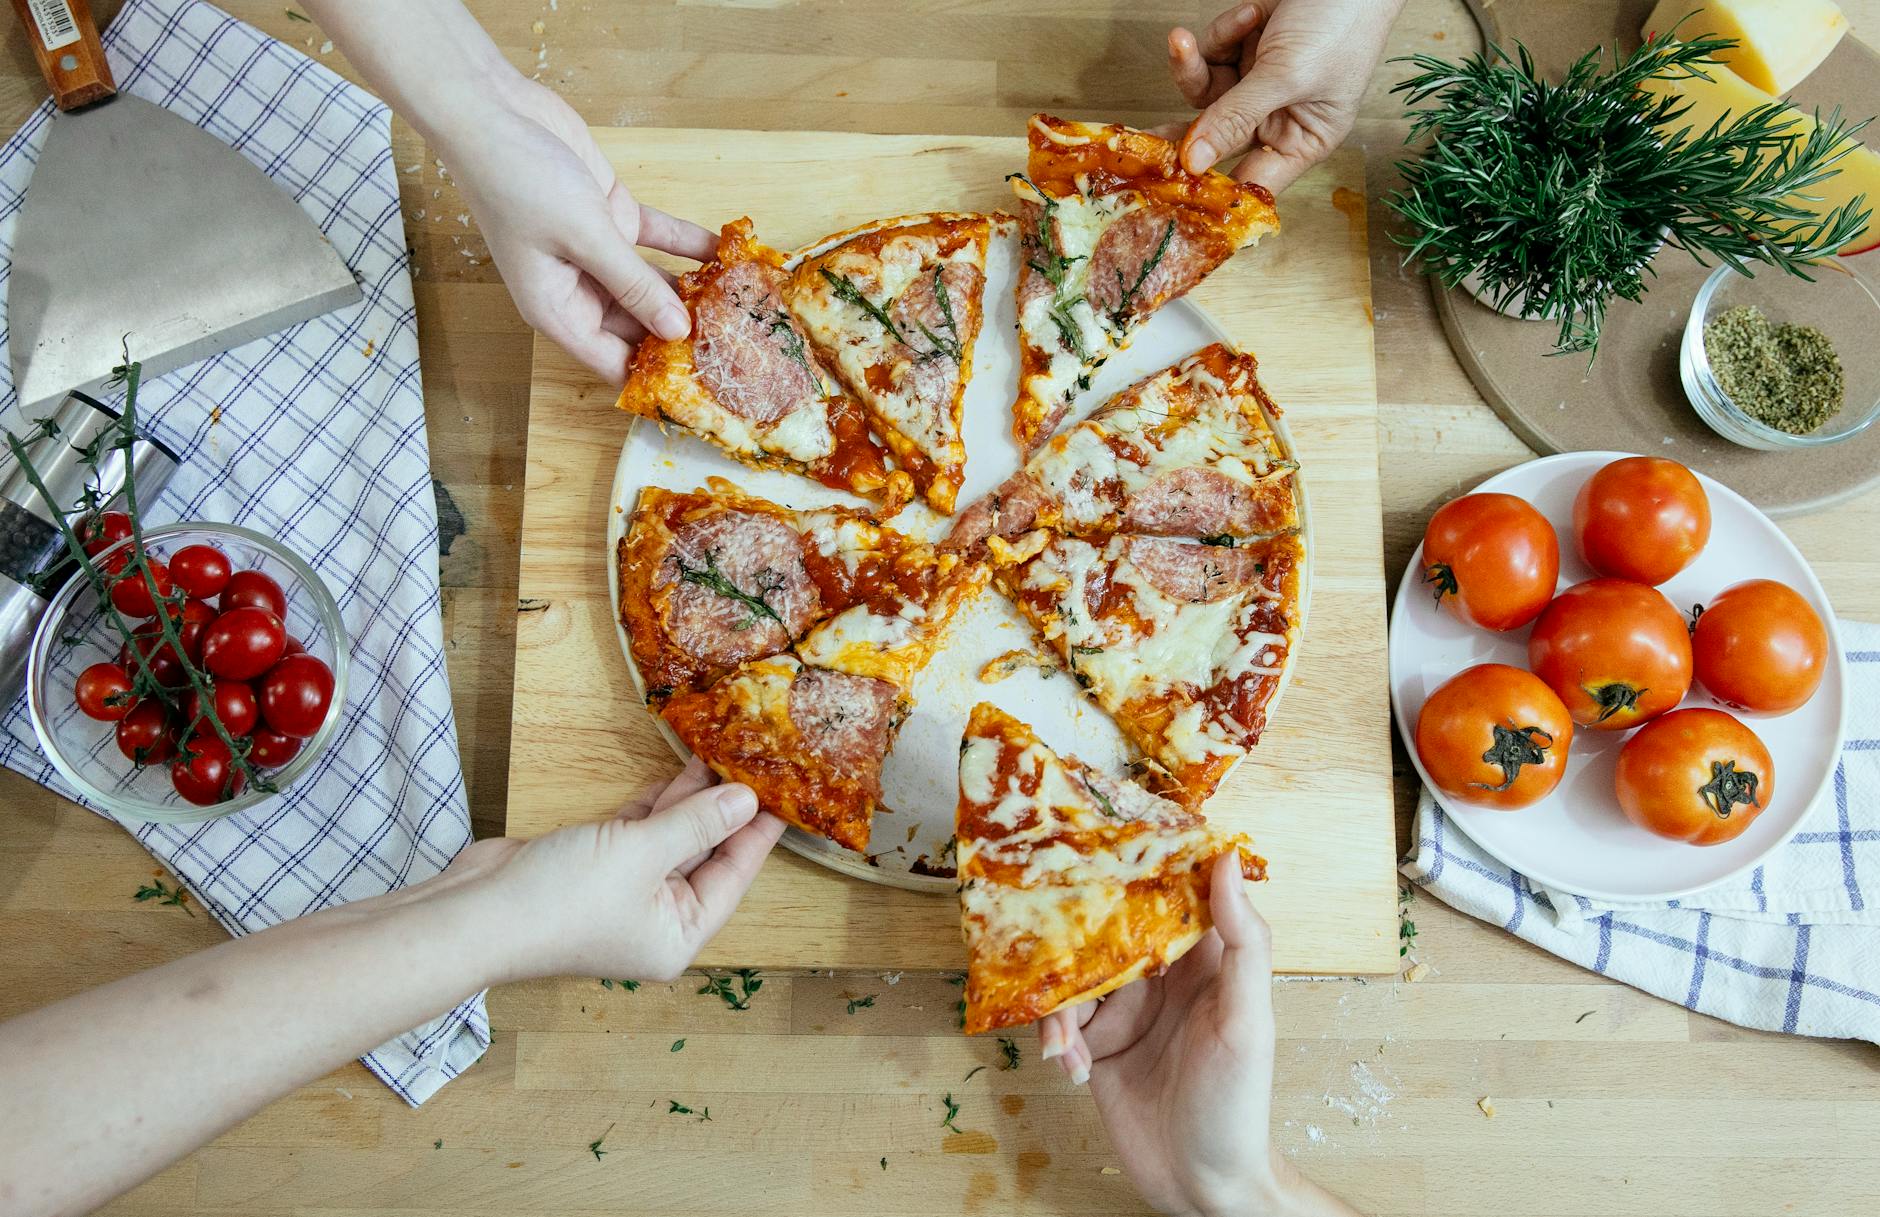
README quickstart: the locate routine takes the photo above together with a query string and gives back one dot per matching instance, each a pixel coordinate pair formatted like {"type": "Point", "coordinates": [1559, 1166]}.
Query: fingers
{"type": "Point", "coordinates": [1272, 168]}
{"type": "Point", "coordinates": [1061, 1039]}
{"type": "Point", "coordinates": [606, 354]}
{"type": "Point", "coordinates": [696, 776]}
{"type": "Point", "coordinates": [723, 878]}
{"type": "Point", "coordinates": [607, 253]}
{"type": "Point", "coordinates": [672, 235]}
{"type": "Point", "coordinates": [1222, 41]}
{"type": "Point", "coordinates": [1246, 942]}
{"type": "Point", "coordinates": [1232, 122]}
{"type": "Point", "coordinates": [1189, 69]}
{"type": "Point", "coordinates": [697, 823]}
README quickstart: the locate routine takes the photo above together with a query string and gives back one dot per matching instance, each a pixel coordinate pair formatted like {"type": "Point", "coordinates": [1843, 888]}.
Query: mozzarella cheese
{"type": "Point", "coordinates": [802, 435]}
{"type": "Point", "coordinates": [761, 691]}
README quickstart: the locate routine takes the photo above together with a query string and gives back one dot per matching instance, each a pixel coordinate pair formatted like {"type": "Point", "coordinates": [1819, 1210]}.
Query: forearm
{"type": "Point", "coordinates": [104, 1089]}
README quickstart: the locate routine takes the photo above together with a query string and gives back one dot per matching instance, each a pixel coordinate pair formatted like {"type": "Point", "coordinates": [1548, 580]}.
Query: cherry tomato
{"type": "Point", "coordinates": [252, 589]}
{"type": "Point", "coordinates": [193, 622]}
{"type": "Point", "coordinates": [102, 531]}
{"type": "Point", "coordinates": [270, 749]}
{"type": "Point", "coordinates": [1491, 559]}
{"type": "Point", "coordinates": [201, 570]}
{"type": "Point", "coordinates": [144, 736]}
{"type": "Point", "coordinates": [103, 692]}
{"type": "Point", "coordinates": [1494, 736]}
{"type": "Point", "coordinates": [295, 695]}
{"type": "Point", "coordinates": [243, 643]}
{"type": "Point", "coordinates": [1759, 646]}
{"type": "Point", "coordinates": [206, 774]}
{"type": "Point", "coordinates": [1695, 775]}
{"type": "Point", "coordinates": [147, 640]}
{"type": "Point", "coordinates": [131, 592]}
{"type": "Point", "coordinates": [1642, 518]}
{"type": "Point", "coordinates": [1615, 652]}
{"type": "Point", "coordinates": [294, 645]}
{"type": "Point", "coordinates": [235, 705]}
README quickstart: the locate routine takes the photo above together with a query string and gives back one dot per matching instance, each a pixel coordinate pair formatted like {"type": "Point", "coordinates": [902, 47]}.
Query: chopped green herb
{"type": "Point", "coordinates": [953, 1109]}
{"type": "Point", "coordinates": [738, 995]}
{"type": "Point", "coordinates": [1068, 332]}
{"type": "Point", "coordinates": [294, 16]}
{"type": "Point", "coordinates": [847, 292]}
{"type": "Point", "coordinates": [861, 1003]}
{"type": "Point", "coordinates": [1786, 376]}
{"type": "Point", "coordinates": [712, 579]}
{"type": "Point", "coordinates": [1008, 1052]}
{"type": "Point", "coordinates": [884, 1164]}
{"type": "Point", "coordinates": [1584, 1017]}
{"type": "Point", "coordinates": [1103, 801]}
{"type": "Point", "coordinates": [438, 1144]}
{"type": "Point", "coordinates": [628, 985]}
{"type": "Point", "coordinates": [164, 894]}
{"type": "Point", "coordinates": [1407, 931]}
{"type": "Point", "coordinates": [971, 1072]}
{"type": "Point", "coordinates": [1220, 539]}
{"type": "Point", "coordinates": [677, 1108]}
{"type": "Point", "coordinates": [677, 1045]}
{"type": "Point", "coordinates": [594, 1146]}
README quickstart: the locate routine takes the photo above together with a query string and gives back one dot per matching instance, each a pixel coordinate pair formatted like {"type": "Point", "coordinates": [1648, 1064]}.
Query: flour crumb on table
{"type": "Point", "coordinates": [1487, 1105]}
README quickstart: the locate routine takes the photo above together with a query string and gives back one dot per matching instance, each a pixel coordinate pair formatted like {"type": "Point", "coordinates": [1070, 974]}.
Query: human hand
{"type": "Point", "coordinates": [1181, 1068]}
{"type": "Point", "coordinates": [563, 228]}
{"type": "Point", "coordinates": [635, 896]}
{"type": "Point", "coordinates": [1280, 77]}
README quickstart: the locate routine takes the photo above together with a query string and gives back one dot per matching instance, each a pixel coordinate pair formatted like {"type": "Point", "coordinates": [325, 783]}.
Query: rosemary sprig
{"type": "Point", "coordinates": [949, 346]}
{"type": "Point", "coordinates": [1056, 265]}
{"type": "Point", "coordinates": [1068, 331]}
{"type": "Point", "coordinates": [777, 323]}
{"type": "Point", "coordinates": [1119, 316]}
{"type": "Point", "coordinates": [953, 1110]}
{"type": "Point", "coordinates": [714, 580]}
{"type": "Point", "coordinates": [162, 893]}
{"type": "Point", "coordinates": [846, 291]}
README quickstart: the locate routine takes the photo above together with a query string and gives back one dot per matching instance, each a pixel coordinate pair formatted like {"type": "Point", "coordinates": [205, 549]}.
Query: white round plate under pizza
{"type": "Point", "coordinates": [991, 652]}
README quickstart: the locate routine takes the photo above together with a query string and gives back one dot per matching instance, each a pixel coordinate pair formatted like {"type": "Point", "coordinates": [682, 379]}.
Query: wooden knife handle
{"type": "Point", "coordinates": [65, 42]}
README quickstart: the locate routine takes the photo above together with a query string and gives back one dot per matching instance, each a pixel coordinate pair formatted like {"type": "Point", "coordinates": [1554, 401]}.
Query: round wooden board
{"type": "Point", "coordinates": [1630, 397]}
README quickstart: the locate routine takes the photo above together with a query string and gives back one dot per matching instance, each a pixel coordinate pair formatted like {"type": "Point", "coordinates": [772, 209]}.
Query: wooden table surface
{"type": "Point", "coordinates": [1606, 1101]}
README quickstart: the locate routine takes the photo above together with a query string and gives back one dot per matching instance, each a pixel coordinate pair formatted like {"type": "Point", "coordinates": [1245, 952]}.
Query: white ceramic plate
{"type": "Point", "coordinates": [920, 781]}
{"type": "Point", "coordinates": [1577, 840]}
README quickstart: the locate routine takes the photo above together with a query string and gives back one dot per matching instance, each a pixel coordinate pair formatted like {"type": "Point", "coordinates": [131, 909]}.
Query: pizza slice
{"type": "Point", "coordinates": [1184, 644]}
{"type": "Point", "coordinates": [809, 742]}
{"type": "Point", "coordinates": [893, 633]}
{"type": "Point", "coordinates": [1073, 883]}
{"type": "Point", "coordinates": [1113, 228]}
{"type": "Point", "coordinates": [896, 307]}
{"type": "Point", "coordinates": [747, 380]}
{"type": "Point", "coordinates": [1189, 451]}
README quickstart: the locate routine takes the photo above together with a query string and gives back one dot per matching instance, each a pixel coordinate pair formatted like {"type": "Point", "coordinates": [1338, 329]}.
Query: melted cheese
{"type": "Point", "coordinates": [802, 435]}
{"type": "Point", "coordinates": [761, 691]}
{"type": "Point", "coordinates": [863, 642]}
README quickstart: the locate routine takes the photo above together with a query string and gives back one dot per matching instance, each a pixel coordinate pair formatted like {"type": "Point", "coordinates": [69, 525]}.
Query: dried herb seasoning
{"type": "Point", "coordinates": [1785, 376]}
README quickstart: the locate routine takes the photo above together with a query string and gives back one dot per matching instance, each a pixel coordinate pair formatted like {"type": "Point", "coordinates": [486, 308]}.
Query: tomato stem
{"type": "Point", "coordinates": [1613, 698]}
{"type": "Point", "coordinates": [1439, 576]}
{"type": "Point", "coordinates": [1513, 748]}
{"type": "Point", "coordinates": [1727, 787]}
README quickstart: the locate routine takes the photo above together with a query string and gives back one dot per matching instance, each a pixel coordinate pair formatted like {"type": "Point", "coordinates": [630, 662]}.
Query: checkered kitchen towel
{"type": "Point", "coordinates": [319, 441]}
{"type": "Point", "coordinates": [1794, 946]}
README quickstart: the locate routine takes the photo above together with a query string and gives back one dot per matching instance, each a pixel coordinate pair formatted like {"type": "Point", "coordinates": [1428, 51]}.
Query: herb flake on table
{"type": "Point", "coordinates": [594, 1146]}
{"type": "Point", "coordinates": [953, 1109]}
{"type": "Point", "coordinates": [678, 1045]}
{"type": "Point", "coordinates": [971, 1072]}
{"type": "Point", "coordinates": [1008, 1053]}
{"type": "Point", "coordinates": [438, 1144]}
{"type": "Point", "coordinates": [735, 991]}
{"type": "Point", "coordinates": [628, 985]}
{"type": "Point", "coordinates": [162, 893]}
{"type": "Point", "coordinates": [676, 1108]}
{"type": "Point", "coordinates": [1407, 932]}
{"type": "Point", "coordinates": [294, 16]}
{"type": "Point", "coordinates": [861, 1003]}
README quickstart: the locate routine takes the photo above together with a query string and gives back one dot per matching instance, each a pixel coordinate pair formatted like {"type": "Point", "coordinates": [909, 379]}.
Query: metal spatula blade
{"type": "Point", "coordinates": [142, 231]}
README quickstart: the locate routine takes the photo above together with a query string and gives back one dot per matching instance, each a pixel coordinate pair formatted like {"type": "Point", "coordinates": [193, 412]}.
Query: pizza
{"type": "Point", "coordinates": [892, 635]}
{"type": "Point", "coordinates": [1182, 642]}
{"type": "Point", "coordinates": [896, 307]}
{"type": "Point", "coordinates": [1112, 228]}
{"type": "Point", "coordinates": [1072, 883]}
{"type": "Point", "coordinates": [808, 741]}
{"type": "Point", "coordinates": [747, 380]}
{"type": "Point", "coordinates": [1189, 451]}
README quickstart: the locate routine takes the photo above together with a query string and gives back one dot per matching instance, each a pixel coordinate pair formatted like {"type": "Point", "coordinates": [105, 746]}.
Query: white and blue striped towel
{"type": "Point", "coordinates": [314, 436]}
{"type": "Point", "coordinates": [1794, 946]}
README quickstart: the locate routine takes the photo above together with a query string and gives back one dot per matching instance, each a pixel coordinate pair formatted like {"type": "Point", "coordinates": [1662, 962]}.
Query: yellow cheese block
{"type": "Point", "coordinates": [1728, 93]}
{"type": "Point", "coordinates": [1779, 42]}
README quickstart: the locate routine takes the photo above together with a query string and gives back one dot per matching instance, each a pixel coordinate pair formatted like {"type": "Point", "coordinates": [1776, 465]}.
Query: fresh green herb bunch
{"type": "Point", "coordinates": [1555, 196]}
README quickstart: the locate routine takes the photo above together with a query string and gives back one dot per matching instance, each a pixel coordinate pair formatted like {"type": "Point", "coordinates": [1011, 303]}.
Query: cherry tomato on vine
{"type": "Point", "coordinates": [1760, 647]}
{"type": "Point", "coordinates": [102, 531]}
{"type": "Point", "coordinates": [1494, 736]}
{"type": "Point", "coordinates": [295, 695]}
{"type": "Point", "coordinates": [1695, 775]}
{"type": "Point", "coordinates": [1491, 559]}
{"type": "Point", "coordinates": [131, 593]}
{"type": "Point", "coordinates": [270, 749]}
{"type": "Point", "coordinates": [147, 640]}
{"type": "Point", "coordinates": [235, 705]}
{"type": "Point", "coordinates": [201, 570]}
{"type": "Point", "coordinates": [192, 621]}
{"type": "Point", "coordinates": [143, 735]}
{"type": "Point", "coordinates": [206, 773]}
{"type": "Point", "coordinates": [1642, 518]}
{"type": "Point", "coordinates": [103, 692]}
{"type": "Point", "coordinates": [243, 643]}
{"type": "Point", "coordinates": [252, 589]}
{"type": "Point", "coordinates": [1615, 652]}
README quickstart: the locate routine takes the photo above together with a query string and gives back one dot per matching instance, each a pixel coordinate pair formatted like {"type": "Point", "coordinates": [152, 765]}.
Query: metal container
{"type": "Point", "coordinates": [31, 546]}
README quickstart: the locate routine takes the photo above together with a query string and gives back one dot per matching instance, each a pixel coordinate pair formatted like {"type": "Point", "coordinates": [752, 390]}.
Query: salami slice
{"type": "Point", "coordinates": [1147, 257]}
{"type": "Point", "coordinates": [739, 587]}
{"type": "Point", "coordinates": [748, 353]}
{"type": "Point", "coordinates": [845, 719]}
{"type": "Point", "coordinates": [1191, 572]}
{"type": "Point", "coordinates": [1012, 509]}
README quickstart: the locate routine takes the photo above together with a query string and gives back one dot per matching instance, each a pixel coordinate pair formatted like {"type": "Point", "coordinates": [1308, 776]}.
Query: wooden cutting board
{"type": "Point", "coordinates": [1316, 794]}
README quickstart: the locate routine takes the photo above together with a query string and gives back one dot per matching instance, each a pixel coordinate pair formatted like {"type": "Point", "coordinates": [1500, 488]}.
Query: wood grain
{"type": "Point", "coordinates": [1315, 794]}
{"type": "Point", "coordinates": [1638, 1110]}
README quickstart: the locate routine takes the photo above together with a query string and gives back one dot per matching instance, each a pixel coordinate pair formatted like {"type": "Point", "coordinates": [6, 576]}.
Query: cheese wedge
{"type": "Point", "coordinates": [1779, 42]}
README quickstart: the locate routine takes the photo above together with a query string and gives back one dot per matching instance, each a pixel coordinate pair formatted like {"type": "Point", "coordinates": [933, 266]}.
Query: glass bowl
{"type": "Point", "coordinates": [1839, 303]}
{"type": "Point", "coordinates": [75, 634]}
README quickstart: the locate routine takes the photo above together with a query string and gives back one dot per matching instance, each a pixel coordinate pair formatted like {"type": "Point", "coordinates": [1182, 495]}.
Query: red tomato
{"type": "Point", "coordinates": [270, 749]}
{"type": "Point", "coordinates": [295, 695]}
{"type": "Point", "coordinates": [144, 736]}
{"type": "Point", "coordinates": [102, 531]}
{"type": "Point", "coordinates": [252, 589]}
{"type": "Point", "coordinates": [294, 645]}
{"type": "Point", "coordinates": [1491, 559]}
{"type": "Point", "coordinates": [147, 640]}
{"type": "Point", "coordinates": [1494, 736]}
{"type": "Point", "coordinates": [1695, 775]}
{"type": "Point", "coordinates": [235, 705]}
{"type": "Point", "coordinates": [1642, 518]}
{"type": "Point", "coordinates": [195, 618]}
{"type": "Point", "coordinates": [1759, 646]}
{"type": "Point", "coordinates": [103, 692]}
{"type": "Point", "coordinates": [206, 773]}
{"type": "Point", "coordinates": [131, 592]}
{"type": "Point", "coordinates": [243, 643]}
{"type": "Point", "coordinates": [200, 570]}
{"type": "Point", "coordinates": [1616, 652]}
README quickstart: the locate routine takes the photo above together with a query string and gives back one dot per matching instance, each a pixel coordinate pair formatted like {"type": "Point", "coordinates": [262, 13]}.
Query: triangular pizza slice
{"type": "Point", "coordinates": [1072, 883]}
{"type": "Point", "coordinates": [1184, 644]}
{"type": "Point", "coordinates": [747, 380]}
{"type": "Point", "coordinates": [1113, 228]}
{"type": "Point", "coordinates": [896, 307]}
{"type": "Point", "coordinates": [809, 742]}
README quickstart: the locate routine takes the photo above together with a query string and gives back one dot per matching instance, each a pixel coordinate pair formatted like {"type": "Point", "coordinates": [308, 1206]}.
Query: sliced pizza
{"type": "Point", "coordinates": [1113, 228]}
{"type": "Point", "coordinates": [892, 635]}
{"type": "Point", "coordinates": [1183, 643]}
{"type": "Point", "coordinates": [747, 380]}
{"type": "Point", "coordinates": [1189, 451]}
{"type": "Point", "coordinates": [896, 308]}
{"type": "Point", "coordinates": [809, 742]}
{"type": "Point", "coordinates": [1073, 883]}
